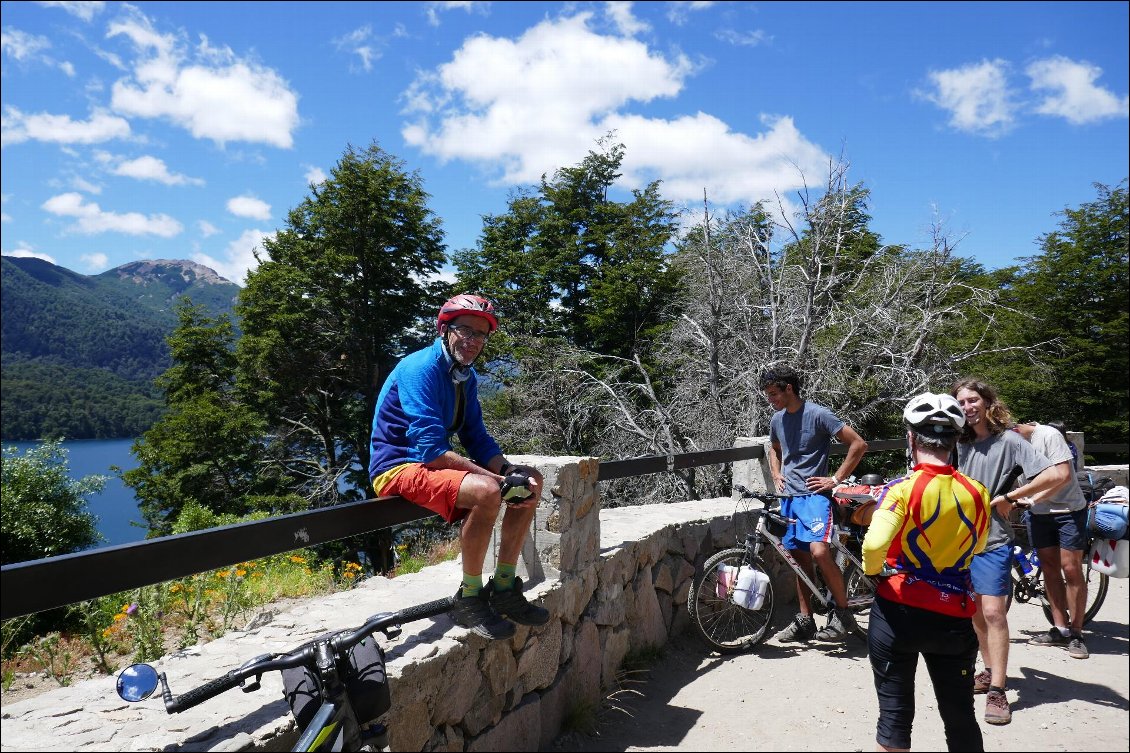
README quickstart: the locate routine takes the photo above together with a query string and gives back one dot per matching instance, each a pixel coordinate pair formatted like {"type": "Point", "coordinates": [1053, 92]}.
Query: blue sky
{"type": "Point", "coordinates": [188, 130]}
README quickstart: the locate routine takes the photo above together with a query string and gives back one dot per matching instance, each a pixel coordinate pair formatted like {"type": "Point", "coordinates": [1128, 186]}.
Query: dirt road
{"type": "Point", "coordinates": [782, 697]}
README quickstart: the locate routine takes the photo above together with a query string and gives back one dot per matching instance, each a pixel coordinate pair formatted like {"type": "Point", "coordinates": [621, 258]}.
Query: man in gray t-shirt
{"type": "Point", "coordinates": [800, 437]}
{"type": "Point", "coordinates": [1057, 529]}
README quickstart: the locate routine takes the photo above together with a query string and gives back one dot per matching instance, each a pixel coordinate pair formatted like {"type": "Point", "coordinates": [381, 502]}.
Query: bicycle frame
{"type": "Point", "coordinates": [842, 554]}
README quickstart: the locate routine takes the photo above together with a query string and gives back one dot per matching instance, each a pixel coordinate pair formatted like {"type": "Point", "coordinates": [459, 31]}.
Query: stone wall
{"type": "Point", "coordinates": [615, 582]}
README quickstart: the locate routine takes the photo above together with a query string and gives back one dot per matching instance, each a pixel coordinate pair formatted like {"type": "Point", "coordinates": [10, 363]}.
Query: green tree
{"type": "Point", "coordinates": [44, 512]}
{"type": "Point", "coordinates": [569, 265]}
{"type": "Point", "coordinates": [343, 292]}
{"type": "Point", "coordinates": [207, 450]}
{"type": "Point", "coordinates": [1079, 292]}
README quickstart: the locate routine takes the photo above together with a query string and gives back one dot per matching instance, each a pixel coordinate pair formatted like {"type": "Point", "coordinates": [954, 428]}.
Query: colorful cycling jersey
{"type": "Point", "coordinates": [418, 412]}
{"type": "Point", "coordinates": [927, 527]}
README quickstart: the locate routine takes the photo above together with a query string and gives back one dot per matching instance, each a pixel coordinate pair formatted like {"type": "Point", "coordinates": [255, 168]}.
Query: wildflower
{"type": "Point", "coordinates": [349, 574]}
{"type": "Point", "coordinates": [297, 560]}
{"type": "Point", "coordinates": [119, 616]}
{"type": "Point", "coordinates": [221, 574]}
{"type": "Point", "coordinates": [240, 573]}
{"type": "Point", "coordinates": [175, 588]}
{"type": "Point", "coordinates": [132, 609]}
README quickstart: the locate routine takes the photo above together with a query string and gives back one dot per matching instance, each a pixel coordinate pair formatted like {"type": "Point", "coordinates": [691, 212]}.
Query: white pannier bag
{"type": "Point", "coordinates": [751, 587]}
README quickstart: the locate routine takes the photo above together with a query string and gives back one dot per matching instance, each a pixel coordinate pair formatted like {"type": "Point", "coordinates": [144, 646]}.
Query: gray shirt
{"type": "Point", "coordinates": [1069, 497]}
{"type": "Point", "coordinates": [997, 462]}
{"type": "Point", "coordinates": [805, 438]}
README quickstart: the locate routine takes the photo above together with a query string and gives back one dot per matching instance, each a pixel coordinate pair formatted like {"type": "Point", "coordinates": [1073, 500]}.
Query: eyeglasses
{"type": "Point", "coordinates": [469, 333]}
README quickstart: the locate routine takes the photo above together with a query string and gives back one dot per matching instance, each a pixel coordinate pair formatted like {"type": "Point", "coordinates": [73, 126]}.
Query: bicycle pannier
{"type": "Point", "coordinates": [1093, 486]}
{"type": "Point", "coordinates": [1110, 557]}
{"type": "Point", "coordinates": [1108, 521]}
{"type": "Point", "coordinates": [365, 680]}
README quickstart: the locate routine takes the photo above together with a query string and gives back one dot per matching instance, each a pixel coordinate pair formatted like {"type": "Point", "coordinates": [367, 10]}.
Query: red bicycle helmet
{"type": "Point", "coordinates": [466, 304]}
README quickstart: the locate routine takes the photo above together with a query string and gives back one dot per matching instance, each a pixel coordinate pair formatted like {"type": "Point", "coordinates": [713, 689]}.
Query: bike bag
{"type": "Point", "coordinates": [1108, 521]}
{"type": "Point", "coordinates": [363, 672]}
{"type": "Point", "coordinates": [1110, 557]}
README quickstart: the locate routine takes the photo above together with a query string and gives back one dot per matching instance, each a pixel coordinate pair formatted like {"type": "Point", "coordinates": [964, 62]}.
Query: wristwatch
{"type": "Point", "coordinates": [1009, 499]}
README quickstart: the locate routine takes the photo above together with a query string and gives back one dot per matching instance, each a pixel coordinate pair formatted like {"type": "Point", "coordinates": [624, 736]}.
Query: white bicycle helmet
{"type": "Point", "coordinates": [939, 414]}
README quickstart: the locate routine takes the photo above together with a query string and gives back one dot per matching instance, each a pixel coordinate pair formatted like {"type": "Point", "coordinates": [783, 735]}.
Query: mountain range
{"type": "Point", "coordinates": [80, 352]}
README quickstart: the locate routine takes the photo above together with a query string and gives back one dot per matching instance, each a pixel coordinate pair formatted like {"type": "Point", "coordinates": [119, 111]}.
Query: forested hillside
{"type": "Point", "coordinates": [80, 352]}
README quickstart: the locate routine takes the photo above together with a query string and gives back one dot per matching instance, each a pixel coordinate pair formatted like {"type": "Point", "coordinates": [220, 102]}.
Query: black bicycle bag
{"type": "Point", "coordinates": [363, 673]}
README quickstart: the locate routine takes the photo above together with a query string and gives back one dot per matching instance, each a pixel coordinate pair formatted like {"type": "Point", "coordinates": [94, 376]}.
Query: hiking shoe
{"type": "Point", "coordinates": [475, 614]}
{"type": "Point", "coordinates": [1076, 648]}
{"type": "Point", "coordinates": [840, 625]}
{"type": "Point", "coordinates": [801, 630]}
{"type": "Point", "coordinates": [996, 707]}
{"type": "Point", "coordinates": [512, 605]}
{"type": "Point", "coordinates": [981, 681]}
{"type": "Point", "coordinates": [1051, 638]}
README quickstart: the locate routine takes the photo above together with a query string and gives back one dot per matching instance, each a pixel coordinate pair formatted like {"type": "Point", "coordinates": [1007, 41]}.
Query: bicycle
{"type": "Point", "coordinates": [1028, 579]}
{"type": "Point", "coordinates": [730, 628]}
{"type": "Point", "coordinates": [342, 671]}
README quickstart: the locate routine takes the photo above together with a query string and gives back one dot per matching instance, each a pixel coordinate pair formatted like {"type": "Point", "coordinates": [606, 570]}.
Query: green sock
{"type": "Point", "coordinates": [472, 584]}
{"type": "Point", "coordinates": [504, 576]}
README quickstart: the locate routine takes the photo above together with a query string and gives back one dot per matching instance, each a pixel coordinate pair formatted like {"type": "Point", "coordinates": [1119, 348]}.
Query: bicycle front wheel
{"type": "Point", "coordinates": [1097, 585]}
{"type": "Point", "coordinates": [725, 626]}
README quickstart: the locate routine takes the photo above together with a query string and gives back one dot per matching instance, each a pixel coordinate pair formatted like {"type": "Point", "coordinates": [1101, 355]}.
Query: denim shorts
{"type": "Point", "coordinates": [1066, 530]}
{"type": "Point", "coordinates": [991, 572]}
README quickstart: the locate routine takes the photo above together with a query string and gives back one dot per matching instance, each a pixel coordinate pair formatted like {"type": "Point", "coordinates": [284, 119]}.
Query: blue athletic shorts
{"type": "Point", "coordinates": [1066, 530]}
{"type": "Point", "coordinates": [813, 513]}
{"type": "Point", "coordinates": [990, 572]}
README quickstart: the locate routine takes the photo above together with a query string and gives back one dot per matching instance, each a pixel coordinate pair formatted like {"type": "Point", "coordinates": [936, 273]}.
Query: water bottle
{"type": "Point", "coordinates": [1025, 565]}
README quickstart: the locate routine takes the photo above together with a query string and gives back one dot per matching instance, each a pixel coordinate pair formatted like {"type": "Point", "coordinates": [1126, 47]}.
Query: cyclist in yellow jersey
{"type": "Point", "coordinates": [921, 542]}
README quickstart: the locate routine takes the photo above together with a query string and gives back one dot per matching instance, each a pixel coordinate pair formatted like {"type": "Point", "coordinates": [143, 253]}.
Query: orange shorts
{"type": "Point", "coordinates": [436, 490]}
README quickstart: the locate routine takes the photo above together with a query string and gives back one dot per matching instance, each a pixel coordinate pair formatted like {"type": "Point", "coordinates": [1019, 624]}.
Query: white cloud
{"type": "Point", "coordinates": [358, 42]}
{"type": "Point", "coordinates": [95, 262]}
{"type": "Point", "coordinates": [82, 184]}
{"type": "Point", "coordinates": [22, 46]}
{"type": "Point", "coordinates": [84, 10]}
{"type": "Point", "coordinates": [249, 206]}
{"type": "Point", "coordinates": [743, 39]}
{"type": "Point", "coordinates": [207, 229]}
{"type": "Point", "coordinates": [1071, 91]}
{"type": "Point", "coordinates": [977, 97]}
{"type": "Point", "coordinates": [17, 127]}
{"type": "Point", "coordinates": [151, 168]}
{"type": "Point", "coordinates": [211, 92]}
{"type": "Point", "coordinates": [620, 13]}
{"type": "Point", "coordinates": [541, 101]}
{"type": "Point", "coordinates": [25, 251]}
{"type": "Point", "coordinates": [93, 220]}
{"type": "Point", "coordinates": [434, 8]}
{"type": "Point", "coordinates": [679, 11]}
{"type": "Point", "coordinates": [238, 258]}
{"type": "Point", "coordinates": [315, 175]}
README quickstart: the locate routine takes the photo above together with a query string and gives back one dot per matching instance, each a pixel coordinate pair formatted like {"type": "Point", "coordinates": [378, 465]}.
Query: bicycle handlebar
{"type": "Point", "coordinates": [765, 497]}
{"type": "Point", "coordinates": [341, 641]}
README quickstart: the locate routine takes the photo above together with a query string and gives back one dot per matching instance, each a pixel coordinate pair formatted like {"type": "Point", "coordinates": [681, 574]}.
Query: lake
{"type": "Point", "coordinates": [116, 506]}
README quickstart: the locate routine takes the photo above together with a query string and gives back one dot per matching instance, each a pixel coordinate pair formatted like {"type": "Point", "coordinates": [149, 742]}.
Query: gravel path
{"type": "Point", "coordinates": [783, 697]}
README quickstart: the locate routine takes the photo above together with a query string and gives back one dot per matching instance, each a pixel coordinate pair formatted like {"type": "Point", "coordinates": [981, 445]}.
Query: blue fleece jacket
{"type": "Point", "coordinates": [415, 408]}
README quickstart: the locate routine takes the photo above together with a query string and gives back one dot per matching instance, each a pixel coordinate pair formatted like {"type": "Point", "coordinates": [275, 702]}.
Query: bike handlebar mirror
{"type": "Point", "coordinates": [136, 682]}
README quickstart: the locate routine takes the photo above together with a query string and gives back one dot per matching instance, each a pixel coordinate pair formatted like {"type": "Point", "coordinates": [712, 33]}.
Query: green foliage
{"type": "Point", "coordinates": [341, 298]}
{"type": "Point", "coordinates": [1072, 301]}
{"type": "Point", "coordinates": [44, 511]}
{"type": "Point", "coordinates": [43, 398]}
{"type": "Point", "coordinates": [573, 266]}
{"type": "Point", "coordinates": [207, 451]}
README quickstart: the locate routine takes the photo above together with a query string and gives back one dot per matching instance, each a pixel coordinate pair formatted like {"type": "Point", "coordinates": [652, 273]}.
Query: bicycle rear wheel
{"type": "Point", "coordinates": [1097, 585]}
{"type": "Point", "coordinates": [725, 626]}
{"type": "Point", "coordinates": [860, 595]}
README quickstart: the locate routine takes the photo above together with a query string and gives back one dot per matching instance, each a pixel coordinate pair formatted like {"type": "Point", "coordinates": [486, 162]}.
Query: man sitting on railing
{"type": "Point", "coordinates": [431, 396]}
